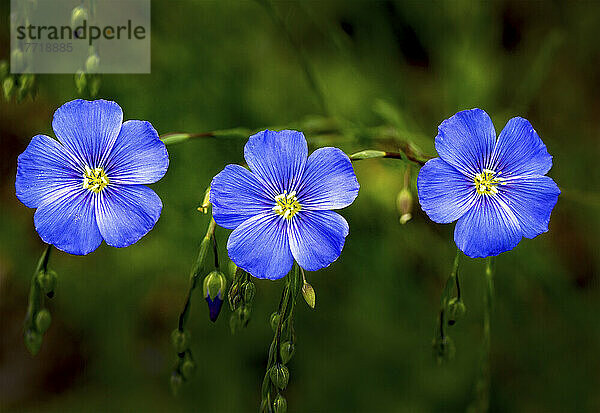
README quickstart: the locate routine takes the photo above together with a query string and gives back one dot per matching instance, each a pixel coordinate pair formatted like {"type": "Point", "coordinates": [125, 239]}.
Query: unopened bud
{"type": "Point", "coordinates": [456, 309]}
{"type": "Point", "coordinates": [234, 322]}
{"type": "Point", "coordinates": [214, 290]}
{"type": "Point", "coordinates": [404, 202]}
{"type": "Point", "coordinates": [78, 15]}
{"type": "Point", "coordinates": [8, 87]}
{"type": "Point", "coordinates": [47, 281]}
{"type": "Point", "coordinates": [80, 81]}
{"type": "Point", "coordinates": [205, 202]}
{"type": "Point", "coordinates": [274, 320]}
{"type": "Point", "coordinates": [280, 404]}
{"type": "Point", "coordinates": [280, 376]}
{"type": "Point", "coordinates": [92, 63]}
{"type": "Point", "coordinates": [180, 340]}
{"type": "Point", "coordinates": [43, 320]}
{"type": "Point", "coordinates": [4, 69]}
{"type": "Point", "coordinates": [308, 292]}
{"type": "Point", "coordinates": [188, 368]}
{"type": "Point", "coordinates": [249, 291]}
{"type": "Point", "coordinates": [287, 351]}
{"type": "Point", "coordinates": [94, 85]}
{"type": "Point", "coordinates": [176, 383]}
{"type": "Point", "coordinates": [17, 61]}
{"type": "Point", "coordinates": [33, 341]}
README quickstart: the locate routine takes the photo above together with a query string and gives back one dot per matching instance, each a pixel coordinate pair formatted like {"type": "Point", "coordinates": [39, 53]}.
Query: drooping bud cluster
{"type": "Point", "coordinates": [241, 296]}
{"type": "Point", "coordinates": [38, 317]}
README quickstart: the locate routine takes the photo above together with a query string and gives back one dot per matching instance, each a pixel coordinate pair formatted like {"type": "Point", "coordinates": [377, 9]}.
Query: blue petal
{"type": "Point", "coordinates": [236, 195]}
{"type": "Point", "coordinates": [260, 246]}
{"type": "Point", "coordinates": [138, 155]}
{"type": "Point", "coordinates": [44, 167]}
{"type": "Point", "coordinates": [466, 140]}
{"type": "Point", "coordinates": [488, 228]}
{"type": "Point", "coordinates": [317, 238]}
{"type": "Point", "coordinates": [126, 213]}
{"type": "Point", "coordinates": [444, 193]}
{"type": "Point", "coordinates": [277, 159]}
{"type": "Point", "coordinates": [68, 221]}
{"type": "Point", "coordinates": [520, 151]}
{"type": "Point", "coordinates": [329, 181]}
{"type": "Point", "coordinates": [88, 129]}
{"type": "Point", "coordinates": [532, 199]}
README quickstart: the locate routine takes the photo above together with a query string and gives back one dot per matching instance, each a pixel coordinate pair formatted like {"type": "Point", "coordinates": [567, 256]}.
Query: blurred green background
{"type": "Point", "coordinates": [367, 345]}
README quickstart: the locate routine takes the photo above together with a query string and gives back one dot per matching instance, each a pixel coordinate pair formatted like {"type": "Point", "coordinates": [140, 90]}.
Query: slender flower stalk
{"type": "Point", "coordinates": [283, 344]}
{"type": "Point", "coordinates": [37, 319]}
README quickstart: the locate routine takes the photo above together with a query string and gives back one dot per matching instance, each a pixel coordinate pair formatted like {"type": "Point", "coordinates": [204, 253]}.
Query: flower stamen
{"type": "Point", "coordinates": [287, 205]}
{"type": "Point", "coordinates": [486, 182]}
{"type": "Point", "coordinates": [95, 179]}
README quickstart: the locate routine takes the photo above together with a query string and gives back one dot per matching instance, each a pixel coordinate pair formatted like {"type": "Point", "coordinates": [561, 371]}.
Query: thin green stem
{"type": "Point", "coordinates": [447, 294]}
{"type": "Point", "coordinates": [198, 269]}
{"type": "Point", "coordinates": [482, 389]}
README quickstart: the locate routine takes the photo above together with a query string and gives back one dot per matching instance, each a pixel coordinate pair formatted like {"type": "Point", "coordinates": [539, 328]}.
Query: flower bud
{"type": "Point", "coordinates": [214, 290]}
{"type": "Point", "coordinates": [456, 309]}
{"type": "Point", "coordinates": [234, 322]}
{"type": "Point", "coordinates": [42, 320]}
{"type": "Point", "coordinates": [80, 81]}
{"type": "Point", "coordinates": [47, 281]}
{"type": "Point", "coordinates": [92, 63]}
{"type": "Point", "coordinates": [404, 203]}
{"type": "Point", "coordinates": [287, 351]}
{"type": "Point", "coordinates": [17, 60]}
{"type": "Point", "coordinates": [33, 341]}
{"type": "Point", "coordinates": [244, 315]}
{"type": "Point", "coordinates": [308, 292]}
{"type": "Point", "coordinates": [249, 291]}
{"type": "Point", "coordinates": [176, 383]}
{"type": "Point", "coordinates": [188, 368]}
{"type": "Point", "coordinates": [94, 85]}
{"type": "Point", "coordinates": [8, 86]}
{"type": "Point", "coordinates": [78, 15]}
{"type": "Point", "coordinates": [180, 340]}
{"type": "Point", "coordinates": [4, 69]}
{"type": "Point", "coordinates": [205, 202]}
{"type": "Point", "coordinates": [274, 320]}
{"type": "Point", "coordinates": [280, 404]}
{"type": "Point", "coordinates": [280, 376]}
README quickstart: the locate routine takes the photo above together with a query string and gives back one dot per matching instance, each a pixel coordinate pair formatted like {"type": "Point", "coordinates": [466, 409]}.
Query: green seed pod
{"type": "Point", "coordinates": [43, 320]}
{"type": "Point", "coordinates": [188, 369]}
{"type": "Point", "coordinates": [280, 404]}
{"type": "Point", "coordinates": [176, 383]}
{"type": "Point", "coordinates": [33, 341]}
{"type": "Point", "coordinates": [180, 340]}
{"type": "Point", "coordinates": [280, 376]}
{"type": "Point", "coordinates": [47, 281]}
{"type": "Point", "coordinates": [287, 351]}
{"type": "Point", "coordinates": [249, 292]}
{"type": "Point", "coordinates": [274, 320]}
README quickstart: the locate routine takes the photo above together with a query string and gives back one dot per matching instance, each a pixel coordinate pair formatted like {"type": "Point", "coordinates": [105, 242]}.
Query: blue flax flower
{"type": "Point", "coordinates": [88, 185]}
{"type": "Point", "coordinates": [495, 188]}
{"type": "Point", "coordinates": [280, 209]}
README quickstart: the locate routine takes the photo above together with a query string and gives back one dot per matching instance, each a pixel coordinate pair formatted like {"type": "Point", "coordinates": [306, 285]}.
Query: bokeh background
{"type": "Point", "coordinates": [367, 345]}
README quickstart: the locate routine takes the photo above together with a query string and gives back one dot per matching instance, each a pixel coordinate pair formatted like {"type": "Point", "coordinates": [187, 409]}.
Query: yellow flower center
{"type": "Point", "coordinates": [486, 182]}
{"type": "Point", "coordinates": [287, 205]}
{"type": "Point", "coordinates": [95, 179]}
